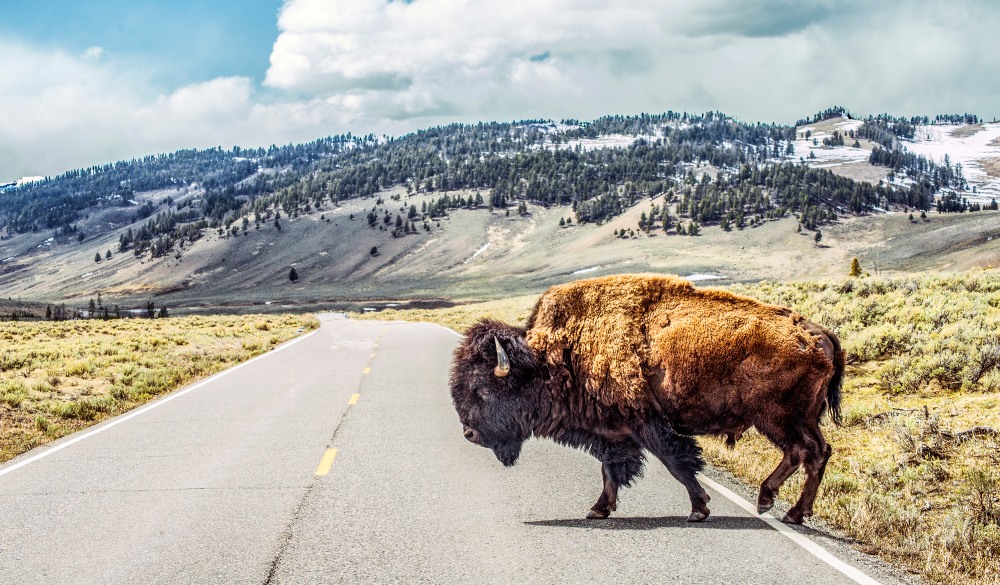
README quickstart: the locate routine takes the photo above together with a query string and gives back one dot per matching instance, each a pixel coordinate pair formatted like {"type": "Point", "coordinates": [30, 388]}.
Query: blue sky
{"type": "Point", "coordinates": [89, 83]}
{"type": "Point", "coordinates": [185, 41]}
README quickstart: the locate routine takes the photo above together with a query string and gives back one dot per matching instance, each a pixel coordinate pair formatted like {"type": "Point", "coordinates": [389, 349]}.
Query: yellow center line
{"type": "Point", "coordinates": [373, 354]}
{"type": "Point", "coordinates": [366, 370]}
{"type": "Point", "coordinates": [354, 399]}
{"type": "Point", "coordinates": [326, 462]}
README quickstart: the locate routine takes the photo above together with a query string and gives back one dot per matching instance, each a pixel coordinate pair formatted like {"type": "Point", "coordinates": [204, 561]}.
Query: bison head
{"type": "Point", "coordinates": [491, 382]}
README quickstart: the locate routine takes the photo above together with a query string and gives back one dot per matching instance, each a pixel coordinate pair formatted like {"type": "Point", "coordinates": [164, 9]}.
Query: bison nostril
{"type": "Point", "coordinates": [472, 435]}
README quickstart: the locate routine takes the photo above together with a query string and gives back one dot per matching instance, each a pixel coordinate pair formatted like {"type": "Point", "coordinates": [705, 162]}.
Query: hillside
{"type": "Point", "coordinates": [452, 211]}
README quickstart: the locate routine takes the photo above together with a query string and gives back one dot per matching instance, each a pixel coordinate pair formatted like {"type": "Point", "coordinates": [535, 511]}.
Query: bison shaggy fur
{"type": "Point", "coordinates": [620, 365]}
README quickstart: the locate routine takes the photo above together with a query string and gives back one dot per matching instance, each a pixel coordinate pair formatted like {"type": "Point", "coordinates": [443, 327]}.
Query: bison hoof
{"type": "Point", "coordinates": [764, 504]}
{"type": "Point", "coordinates": [791, 518]}
{"type": "Point", "coordinates": [598, 514]}
{"type": "Point", "coordinates": [698, 516]}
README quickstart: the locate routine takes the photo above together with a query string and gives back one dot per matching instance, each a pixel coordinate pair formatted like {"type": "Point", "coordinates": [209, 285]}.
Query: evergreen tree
{"type": "Point", "coordinates": [163, 312]}
{"type": "Point", "coordinates": [293, 275]}
{"type": "Point", "coordinates": [97, 257]}
{"type": "Point", "coordinates": [855, 267]}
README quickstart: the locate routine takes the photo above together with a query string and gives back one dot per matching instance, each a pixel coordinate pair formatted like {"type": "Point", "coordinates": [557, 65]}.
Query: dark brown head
{"type": "Point", "coordinates": [491, 381]}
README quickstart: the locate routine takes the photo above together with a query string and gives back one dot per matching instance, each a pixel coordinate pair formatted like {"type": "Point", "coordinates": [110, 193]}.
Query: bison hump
{"type": "Point", "coordinates": [603, 323]}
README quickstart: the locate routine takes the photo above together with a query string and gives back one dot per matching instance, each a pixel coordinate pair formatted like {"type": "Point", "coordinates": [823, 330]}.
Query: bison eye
{"type": "Point", "coordinates": [484, 392]}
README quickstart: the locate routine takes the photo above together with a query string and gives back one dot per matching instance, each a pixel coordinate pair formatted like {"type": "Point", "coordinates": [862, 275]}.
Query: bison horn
{"type": "Point", "coordinates": [503, 364]}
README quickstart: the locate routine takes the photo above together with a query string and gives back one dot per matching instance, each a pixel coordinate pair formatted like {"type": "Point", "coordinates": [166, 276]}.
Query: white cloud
{"type": "Point", "coordinates": [396, 66]}
{"type": "Point", "coordinates": [94, 53]}
{"type": "Point", "coordinates": [429, 60]}
{"type": "Point", "coordinates": [59, 111]}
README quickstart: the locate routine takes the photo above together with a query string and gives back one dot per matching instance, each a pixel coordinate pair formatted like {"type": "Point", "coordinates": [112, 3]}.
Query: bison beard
{"type": "Point", "coordinates": [618, 365]}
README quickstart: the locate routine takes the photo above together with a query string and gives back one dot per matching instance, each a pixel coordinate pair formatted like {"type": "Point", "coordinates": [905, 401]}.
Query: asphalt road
{"type": "Point", "coordinates": [237, 481]}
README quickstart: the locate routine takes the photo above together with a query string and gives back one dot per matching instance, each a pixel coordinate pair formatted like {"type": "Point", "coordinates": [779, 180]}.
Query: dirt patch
{"type": "Point", "coordinates": [138, 288]}
{"type": "Point", "coordinates": [860, 171]}
{"type": "Point", "coordinates": [991, 166]}
{"type": "Point", "coordinates": [966, 131]}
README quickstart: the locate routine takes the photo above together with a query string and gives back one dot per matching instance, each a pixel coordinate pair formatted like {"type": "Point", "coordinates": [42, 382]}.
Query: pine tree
{"type": "Point", "coordinates": [292, 275]}
{"type": "Point", "coordinates": [855, 267]}
{"type": "Point", "coordinates": [97, 257]}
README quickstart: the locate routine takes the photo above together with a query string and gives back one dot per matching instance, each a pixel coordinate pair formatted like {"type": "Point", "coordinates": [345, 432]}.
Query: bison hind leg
{"type": "Point", "coordinates": [815, 465]}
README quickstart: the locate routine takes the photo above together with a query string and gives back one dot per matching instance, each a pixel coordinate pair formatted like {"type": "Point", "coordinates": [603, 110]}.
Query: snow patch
{"type": "Point", "coordinates": [586, 270]}
{"type": "Point", "coordinates": [478, 252]}
{"type": "Point", "coordinates": [936, 141]}
{"type": "Point", "coordinates": [698, 277]}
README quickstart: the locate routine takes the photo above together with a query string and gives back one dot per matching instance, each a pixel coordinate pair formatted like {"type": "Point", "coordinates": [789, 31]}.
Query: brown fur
{"type": "Point", "coordinates": [651, 343]}
{"type": "Point", "coordinates": [621, 364]}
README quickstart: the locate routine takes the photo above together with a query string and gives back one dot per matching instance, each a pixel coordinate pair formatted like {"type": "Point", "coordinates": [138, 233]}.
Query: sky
{"type": "Point", "coordinates": [90, 83]}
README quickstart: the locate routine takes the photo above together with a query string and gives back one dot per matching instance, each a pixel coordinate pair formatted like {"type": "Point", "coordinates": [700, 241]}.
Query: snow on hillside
{"type": "Point", "coordinates": [976, 152]}
{"type": "Point", "coordinates": [828, 156]}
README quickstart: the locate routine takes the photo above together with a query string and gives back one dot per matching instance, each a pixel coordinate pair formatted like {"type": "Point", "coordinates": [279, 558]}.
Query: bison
{"type": "Point", "coordinates": [622, 364]}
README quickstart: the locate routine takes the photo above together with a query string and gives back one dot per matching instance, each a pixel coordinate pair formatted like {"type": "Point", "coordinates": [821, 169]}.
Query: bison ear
{"type": "Point", "coordinates": [503, 363]}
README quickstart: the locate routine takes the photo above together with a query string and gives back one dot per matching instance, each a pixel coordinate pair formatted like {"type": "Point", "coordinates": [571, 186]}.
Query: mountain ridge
{"type": "Point", "coordinates": [621, 179]}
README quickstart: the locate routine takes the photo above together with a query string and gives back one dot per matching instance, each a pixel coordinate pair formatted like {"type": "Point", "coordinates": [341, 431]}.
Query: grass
{"type": "Point", "coordinates": [923, 366]}
{"type": "Point", "coordinates": [59, 377]}
{"type": "Point", "coordinates": [461, 317]}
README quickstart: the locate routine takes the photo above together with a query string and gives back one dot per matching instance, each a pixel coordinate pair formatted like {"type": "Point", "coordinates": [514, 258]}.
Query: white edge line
{"type": "Point", "coordinates": [177, 394]}
{"type": "Point", "coordinates": [811, 547]}
{"type": "Point", "coordinates": [448, 329]}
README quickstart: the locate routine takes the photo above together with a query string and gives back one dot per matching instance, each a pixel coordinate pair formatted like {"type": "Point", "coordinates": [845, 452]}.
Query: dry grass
{"type": "Point", "coordinates": [923, 365]}
{"type": "Point", "coordinates": [967, 130]}
{"type": "Point", "coordinates": [59, 377]}
{"type": "Point", "coordinates": [461, 317]}
{"type": "Point", "coordinates": [991, 166]}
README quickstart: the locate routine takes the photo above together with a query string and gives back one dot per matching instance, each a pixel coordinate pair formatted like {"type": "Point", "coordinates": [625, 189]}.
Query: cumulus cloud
{"type": "Point", "coordinates": [94, 53]}
{"type": "Point", "coordinates": [60, 111]}
{"type": "Point", "coordinates": [772, 61]}
{"type": "Point", "coordinates": [392, 66]}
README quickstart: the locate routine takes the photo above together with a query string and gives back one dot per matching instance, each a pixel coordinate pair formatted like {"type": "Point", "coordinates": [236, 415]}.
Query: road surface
{"type": "Point", "coordinates": [339, 459]}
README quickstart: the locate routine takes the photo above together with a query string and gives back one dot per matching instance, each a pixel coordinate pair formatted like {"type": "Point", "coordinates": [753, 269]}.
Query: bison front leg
{"type": "Point", "coordinates": [608, 502]}
{"type": "Point", "coordinates": [682, 457]}
{"type": "Point", "coordinates": [620, 464]}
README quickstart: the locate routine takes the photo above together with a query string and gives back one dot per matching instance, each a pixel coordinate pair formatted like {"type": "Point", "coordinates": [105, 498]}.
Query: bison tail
{"type": "Point", "coordinates": [833, 389]}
